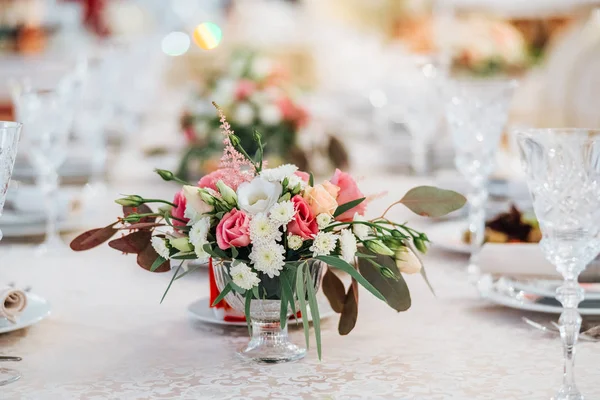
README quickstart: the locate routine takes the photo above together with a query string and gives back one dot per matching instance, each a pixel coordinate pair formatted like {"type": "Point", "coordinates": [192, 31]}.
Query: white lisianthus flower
{"type": "Point", "coordinates": [194, 203]}
{"type": "Point", "coordinates": [198, 237]}
{"type": "Point", "coordinates": [243, 276]}
{"type": "Point", "coordinates": [263, 230]}
{"type": "Point", "coordinates": [323, 220]}
{"type": "Point", "coordinates": [407, 261]}
{"type": "Point", "coordinates": [244, 114]}
{"type": "Point", "coordinates": [282, 213]}
{"type": "Point", "coordinates": [268, 258]}
{"type": "Point", "coordinates": [361, 231]}
{"type": "Point", "coordinates": [278, 174]}
{"type": "Point", "coordinates": [323, 244]}
{"type": "Point", "coordinates": [191, 214]}
{"type": "Point", "coordinates": [295, 242]}
{"type": "Point", "coordinates": [258, 195]}
{"type": "Point", "coordinates": [294, 180]}
{"type": "Point", "coordinates": [160, 246]}
{"type": "Point", "coordinates": [348, 245]}
{"type": "Point", "coordinates": [270, 115]}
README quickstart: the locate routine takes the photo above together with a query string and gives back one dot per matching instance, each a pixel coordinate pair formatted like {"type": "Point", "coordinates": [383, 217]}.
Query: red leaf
{"type": "Point", "coordinates": [334, 290]}
{"type": "Point", "coordinates": [133, 243]}
{"type": "Point", "coordinates": [146, 258]}
{"type": "Point", "coordinates": [350, 311]}
{"type": "Point", "coordinates": [93, 238]}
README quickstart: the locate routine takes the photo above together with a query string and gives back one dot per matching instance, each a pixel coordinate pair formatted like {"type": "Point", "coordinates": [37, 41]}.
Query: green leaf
{"type": "Point", "coordinates": [350, 311]}
{"type": "Point", "coordinates": [247, 311]}
{"type": "Point", "coordinates": [301, 293]}
{"type": "Point", "coordinates": [333, 288]}
{"type": "Point", "coordinates": [185, 256]}
{"type": "Point", "coordinates": [255, 292]}
{"type": "Point", "coordinates": [429, 201]}
{"type": "Point", "coordinates": [347, 206]}
{"type": "Point", "coordinates": [311, 179]}
{"type": "Point", "coordinates": [171, 282]}
{"type": "Point", "coordinates": [284, 306]}
{"type": "Point", "coordinates": [362, 255]}
{"type": "Point", "coordinates": [424, 275]}
{"type": "Point", "coordinates": [314, 311]}
{"type": "Point", "coordinates": [350, 270]}
{"type": "Point", "coordinates": [157, 263]}
{"type": "Point", "coordinates": [215, 252]}
{"type": "Point", "coordinates": [286, 286]}
{"type": "Point", "coordinates": [191, 269]}
{"type": "Point", "coordinates": [223, 293]}
{"type": "Point", "coordinates": [394, 289]}
{"type": "Point", "coordinates": [234, 252]}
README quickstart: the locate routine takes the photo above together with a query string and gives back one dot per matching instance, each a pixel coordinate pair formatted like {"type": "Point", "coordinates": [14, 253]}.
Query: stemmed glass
{"type": "Point", "coordinates": [476, 112]}
{"type": "Point", "coordinates": [563, 174]}
{"type": "Point", "coordinates": [9, 138]}
{"type": "Point", "coordinates": [47, 115]}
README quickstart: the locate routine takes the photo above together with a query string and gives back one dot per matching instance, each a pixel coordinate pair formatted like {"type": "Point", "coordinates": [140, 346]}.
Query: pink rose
{"type": "Point", "coordinates": [348, 191]}
{"type": "Point", "coordinates": [322, 198]}
{"type": "Point", "coordinates": [178, 211]}
{"type": "Point", "coordinates": [244, 89]}
{"type": "Point", "coordinates": [233, 230]}
{"type": "Point", "coordinates": [303, 175]}
{"type": "Point", "coordinates": [304, 223]}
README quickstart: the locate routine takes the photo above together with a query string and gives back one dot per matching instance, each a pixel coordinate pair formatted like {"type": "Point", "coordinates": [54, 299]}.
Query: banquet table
{"type": "Point", "coordinates": [109, 338]}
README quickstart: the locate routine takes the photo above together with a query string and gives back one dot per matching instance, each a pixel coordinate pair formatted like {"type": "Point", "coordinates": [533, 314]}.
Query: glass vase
{"type": "Point", "coordinates": [269, 342]}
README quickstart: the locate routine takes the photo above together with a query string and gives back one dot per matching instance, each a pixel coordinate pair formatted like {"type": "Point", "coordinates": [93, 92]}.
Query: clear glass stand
{"type": "Point", "coordinates": [8, 375]}
{"type": "Point", "coordinates": [270, 344]}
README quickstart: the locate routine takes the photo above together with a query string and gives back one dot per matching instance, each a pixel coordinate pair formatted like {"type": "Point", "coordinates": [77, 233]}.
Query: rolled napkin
{"type": "Point", "coordinates": [12, 303]}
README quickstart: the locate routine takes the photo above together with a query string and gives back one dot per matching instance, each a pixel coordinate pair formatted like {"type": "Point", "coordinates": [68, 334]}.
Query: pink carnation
{"type": "Point", "coordinates": [349, 191]}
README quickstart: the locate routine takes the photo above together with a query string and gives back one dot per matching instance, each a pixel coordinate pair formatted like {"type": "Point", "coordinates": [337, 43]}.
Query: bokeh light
{"type": "Point", "coordinates": [176, 44]}
{"type": "Point", "coordinates": [207, 35]}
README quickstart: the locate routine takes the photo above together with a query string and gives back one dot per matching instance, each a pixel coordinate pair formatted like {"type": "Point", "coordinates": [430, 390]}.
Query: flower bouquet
{"type": "Point", "coordinates": [269, 235]}
{"type": "Point", "coordinates": [256, 95]}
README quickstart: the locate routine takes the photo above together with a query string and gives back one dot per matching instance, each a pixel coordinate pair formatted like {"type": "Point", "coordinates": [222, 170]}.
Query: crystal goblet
{"type": "Point", "coordinates": [563, 175]}
{"type": "Point", "coordinates": [476, 112]}
{"type": "Point", "coordinates": [9, 139]}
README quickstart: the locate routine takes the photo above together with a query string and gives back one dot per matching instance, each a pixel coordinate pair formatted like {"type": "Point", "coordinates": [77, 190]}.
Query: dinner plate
{"type": "Point", "coordinates": [201, 311]}
{"type": "Point", "coordinates": [37, 309]}
{"type": "Point", "coordinates": [448, 236]}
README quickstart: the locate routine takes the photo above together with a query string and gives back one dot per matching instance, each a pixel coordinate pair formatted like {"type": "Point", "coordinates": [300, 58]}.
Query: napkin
{"type": "Point", "coordinates": [12, 303]}
{"type": "Point", "coordinates": [222, 310]}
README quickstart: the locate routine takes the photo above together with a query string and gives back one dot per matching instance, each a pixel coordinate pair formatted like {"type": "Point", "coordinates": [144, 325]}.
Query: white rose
{"type": "Point", "coordinates": [258, 195]}
{"type": "Point", "coordinates": [193, 200]}
{"type": "Point", "coordinates": [270, 114]}
{"type": "Point", "coordinates": [244, 114]}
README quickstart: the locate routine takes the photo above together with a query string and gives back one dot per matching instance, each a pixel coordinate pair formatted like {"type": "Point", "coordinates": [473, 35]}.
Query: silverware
{"type": "Point", "coordinates": [555, 329]}
{"type": "Point", "coordinates": [10, 358]}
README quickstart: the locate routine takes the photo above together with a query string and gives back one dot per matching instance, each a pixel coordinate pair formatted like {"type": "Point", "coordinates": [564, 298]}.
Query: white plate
{"type": "Point", "coordinates": [448, 236]}
{"type": "Point", "coordinates": [202, 312]}
{"type": "Point", "coordinates": [37, 309]}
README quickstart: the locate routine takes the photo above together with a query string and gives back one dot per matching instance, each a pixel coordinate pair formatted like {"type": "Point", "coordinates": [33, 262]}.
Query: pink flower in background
{"type": "Point", "coordinates": [292, 112]}
{"type": "Point", "coordinates": [348, 191]}
{"type": "Point", "coordinates": [244, 89]}
{"type": "Point", "coordinates": [230, 177]}
{"type": "Point", "coordinates": [303, 175]}
{"type": "Point", "coordinates": [190, 135]}
{"type": "Point", "coordinates": [233, 230]}
{"type": "Point", "coordinates": [179, 210]}
{"type": "Point", "coordinates": [304, 223]}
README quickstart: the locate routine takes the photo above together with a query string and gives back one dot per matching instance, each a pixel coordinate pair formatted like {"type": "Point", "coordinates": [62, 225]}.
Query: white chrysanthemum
{"type": "Point", "coordinates": [348, 246]}
{"type": "Point", "coordinates": [198, 234]}
{"type": "Point", "coordinates": [278, 174]}
{"type": "Point", "coordinates": [323, 244]}
{"type": "Point", "coordinates": [294, 180]}
{"type": "Point", "coordinates": [268, 258]}
{"type": "Point", "coordinates": [160, 246]}
{"type": "Point", "coordinates": [295, 242]}
{"type": "Point", "coordinates": [361, 231]}
{"type": "Point", "coordinates": [282, 213]}
{"type": "Point", "coordinates": [243, 276]}
{"type": "Point", "coordinates": [263, 230]}
{"type": "Point", "coordinates": [323, 220]}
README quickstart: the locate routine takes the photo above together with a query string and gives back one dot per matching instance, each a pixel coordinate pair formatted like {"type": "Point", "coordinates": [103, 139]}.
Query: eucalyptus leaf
{"type": "Point", "coordinates": [334, 290]}
{"type": "Point", "coordinates": [394, 289]}
{"type": "Point", "coordinates": [148, 256]}
{"type": "Point", "coordinates": [429, 201]}
{"type": "Point", "coordinates": [347, 206]}
{"type": "Point", "coordinates": [93, 238]}
{"type": "Point", "coordinates": [350, 311]}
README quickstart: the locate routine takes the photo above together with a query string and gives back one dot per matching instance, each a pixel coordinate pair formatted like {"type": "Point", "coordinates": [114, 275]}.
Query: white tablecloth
{"type": "Point", "coordinates": [109, 338]}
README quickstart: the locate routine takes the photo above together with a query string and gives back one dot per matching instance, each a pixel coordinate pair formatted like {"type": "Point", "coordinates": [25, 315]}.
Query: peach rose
{"type": "Point", "coordinates": [233, 230]}
{"type": "Point", "coordinates": [304, 223]}
{"type": "Point", "coordinates": [322, 198]}
{"type": "Point", "coordinates": [348, 191]}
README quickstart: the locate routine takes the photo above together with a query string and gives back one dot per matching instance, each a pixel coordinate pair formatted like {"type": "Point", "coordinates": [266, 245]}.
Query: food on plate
{"type": "Point", "coordinates": [511, 227]}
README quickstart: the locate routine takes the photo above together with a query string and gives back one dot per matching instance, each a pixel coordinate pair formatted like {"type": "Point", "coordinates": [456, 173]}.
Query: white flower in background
{"type": "Point", "coordinates": [243, 276]}
{"type": "Point", "coordinates": [361, 231]}
{"type": "Point", "coordinates": [261, 67]}
{"type": "Point", "coordinates": [258, 195]}
{"type": "Point", "coordinates": [294, 180]}
{"type": "Point", "coordinates": [323, 244]}
{"type": "Point", "coordinates": [201, 108]}
{"type": "Point", "coordinates": [202, 128]}
{"type": "Point", "coordinates": [323, 220]}
{"type": "Point", "coordinates": [295, 242]}
{"type": "Point", "coordinates": [224, 91]}
{"type": "Point", "coordinates": [348, 247]}
{"type": "Point", "coordinates": [160, 246]}
{"type": "Point", "coordinates": [270, 114]}
{"type": "Point", "coordinates": [244, 114]}
{"type": "Point", "coordinates": [278, 174]}
{"type": "Point", "coordinates": [263, 230]}
{"type": "Point", "coordinates": [268, 258]}
{"type": "Point", "coordinates": [282, 213]}
{"type": "Point", "coordinates": [198, 237]}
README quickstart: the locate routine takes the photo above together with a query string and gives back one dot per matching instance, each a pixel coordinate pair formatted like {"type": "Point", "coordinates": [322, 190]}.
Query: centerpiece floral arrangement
{"type": "Point", "coordinates": [268, 234]}
{"type": "Point", "coordinates": [255, 92]}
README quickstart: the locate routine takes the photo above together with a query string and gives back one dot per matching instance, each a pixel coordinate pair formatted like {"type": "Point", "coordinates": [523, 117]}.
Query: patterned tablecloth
{"type": "Point", "coordinates": [109, 338]}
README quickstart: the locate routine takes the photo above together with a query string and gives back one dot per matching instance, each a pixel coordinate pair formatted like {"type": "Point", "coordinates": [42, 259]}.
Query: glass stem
{"type": "Point", "coordinates": [477, 198]}
{"type": "Point", "coordinates": [49, 187]}
{"type": "Point", "coordinates": [420, 162]}
{"type": "Point", "coordinates": [570, 294]}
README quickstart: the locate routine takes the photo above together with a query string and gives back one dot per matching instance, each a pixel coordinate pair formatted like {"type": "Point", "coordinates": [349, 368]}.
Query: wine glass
{"type": "Point", "coordinates": [476, 112]}
{"type": "Point", "coordinates": [9, 138]}
{"type": "Point", "coordinates": [563, 175]}
{"type": "Point", "coordinates": [47, 115]}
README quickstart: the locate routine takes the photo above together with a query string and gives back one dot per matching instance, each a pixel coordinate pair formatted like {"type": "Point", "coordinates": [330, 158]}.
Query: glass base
{"type": "Point", "coordinates": [568, 393]}
{"type": "Point", "coordinates": [8, 375]}
{"type": "Point", "coordinates": [270, 344]}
